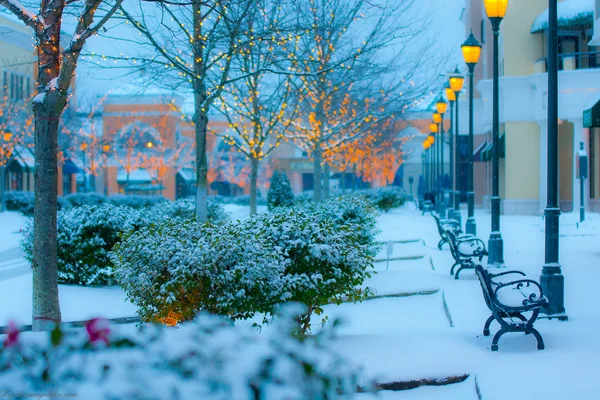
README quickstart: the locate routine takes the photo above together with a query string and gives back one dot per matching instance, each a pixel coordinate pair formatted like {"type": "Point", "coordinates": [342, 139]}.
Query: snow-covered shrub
{"type": "Point", "coordinates": [326, 261]}
{"type": "Point", "coordinates": [185, 209]}
{"type": "Point", "coordinates": [358, 212]}
{"type": "Point", "coordinates": [85, 236]}
{"type": "Point", "coordinates": [304, 197]}
{"type": "Point", "coordinates": [135, 201]}
{"type": "Point", "coordinates": [80, 199]}
{"type": "Point", "coordinates": [208, 359]}
{"type": "Point", "coordinates": [177, 267]}
{"type": "Point", "coordinates": [19, 201]}
{"type": "Point", "coordinates": [386, 198]}
{"type": "Point", "coordinates": [280, 192]}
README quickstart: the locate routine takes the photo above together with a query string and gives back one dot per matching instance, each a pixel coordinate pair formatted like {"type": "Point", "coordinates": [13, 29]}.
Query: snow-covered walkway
{"type": "Point", "coordinates": [409, 338]}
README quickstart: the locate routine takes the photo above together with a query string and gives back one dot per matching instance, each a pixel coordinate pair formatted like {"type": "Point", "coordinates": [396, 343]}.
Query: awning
{"type": "Point", "coordinates": [188, 175]}
{"type": "Point", "coordinates": [137, 176]}
{"type": "Point", "coordinates": [477, 154]}
{"type": "Point", "coordinates": [591, 114]}
{"type": "Point", "coordinates": [571, 13]}
{"type": "Point", "coordinates": [69, 167]}
{"type": "Point", "coordinates": [486, 152]}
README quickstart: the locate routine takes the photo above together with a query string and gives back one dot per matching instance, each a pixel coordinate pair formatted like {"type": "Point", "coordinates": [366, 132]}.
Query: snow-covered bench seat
{"type": "Point", "coordinates": [508, 295]}
{"type": "Point", "coordinates": [444, 226]}
{"type": "Point", "coordinates": [466, 250]}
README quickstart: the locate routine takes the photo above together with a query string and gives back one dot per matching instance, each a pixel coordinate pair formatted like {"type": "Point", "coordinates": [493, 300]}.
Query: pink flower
{"type": "Point", "coordinates": [12, 334]}
{"type": "Point", "coordinates": [98, 330]}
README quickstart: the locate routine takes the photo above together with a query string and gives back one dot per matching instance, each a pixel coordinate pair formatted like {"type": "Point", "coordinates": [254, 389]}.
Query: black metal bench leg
{"type": "Point", "coordinates": [521, 317]}
{"type": "Point", "coordinates": [441, 243]}
{"type": "Point", "coordinates": [540, 341]}
{"type": "Point", "coordinates": [497, 336]}
{"type": "Point", "coordinates": [452, 269]}
{"type": "Point", "coordinates": [486, 327]}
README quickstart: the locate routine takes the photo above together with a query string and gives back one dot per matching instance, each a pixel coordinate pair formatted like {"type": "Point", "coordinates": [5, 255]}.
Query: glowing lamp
{"type": "Point", "coordinates": [471, 50]}
{"type": "Point", "coordinates": [495, 8]}
{"type": "Point", "coordinates": [456, 81]}
{"type": "Point", "coordinates": [437, 118]}
{"type": "Point", "coordinates": [441, 105]}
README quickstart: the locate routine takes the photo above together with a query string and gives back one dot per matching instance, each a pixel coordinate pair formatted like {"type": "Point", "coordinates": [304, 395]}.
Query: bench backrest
{"type": "Point", "coordinates": [486, 284]}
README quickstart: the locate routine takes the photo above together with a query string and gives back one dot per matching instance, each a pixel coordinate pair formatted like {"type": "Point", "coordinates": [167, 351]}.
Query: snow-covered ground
{"type": "Point", "coordinates": [427, 324]}
{"type": "Point", "coordinates": [11, 223]}
{"type": "Point", "coordinates": [409, 338]}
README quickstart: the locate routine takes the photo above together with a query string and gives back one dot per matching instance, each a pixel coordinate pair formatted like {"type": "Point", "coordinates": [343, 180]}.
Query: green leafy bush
{"type": "Point", "coordinates": [22, 202]}
{"type": "Point", "coordinates": [85, 236]}
{"type": "Point", "coordinates": [280, 192]}
{"type": "Point", "coordinates": [386, 198]}
{"type": "Point", "coordinates": [176, 268]}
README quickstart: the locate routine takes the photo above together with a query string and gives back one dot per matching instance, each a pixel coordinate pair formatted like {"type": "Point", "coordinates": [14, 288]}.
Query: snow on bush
{"type": "Point", "coordinates": [175, 268]}
{"type": "Point", "coordinates": [208, 359]}
{"type": "Point", "coordinates": [85, 235]}
{"type": "Point", "coordinates": [80, 199]}
{"type": "Point", "coordinates": [19, 201]}
{"type": "Point", "coordinates": [386, 198]}
{"type": "Point", "coordinates": [135, 201]}
{"type": "Point", "coordinates": [280, 192]}
{"type": "Point", "coordinates": [314, 255]}
{"type": "Point", "coordinates": [185, 209]}
{"type": "Point", "coordinates": [326, 261]}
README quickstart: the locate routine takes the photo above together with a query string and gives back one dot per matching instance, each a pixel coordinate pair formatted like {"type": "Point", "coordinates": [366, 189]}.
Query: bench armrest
{"type": "Point", "coordinates": [477, 247]}
{"type": "Point", "coordinates": [520, 293]}
{"type": "Point", "coordinates": [506, 273]}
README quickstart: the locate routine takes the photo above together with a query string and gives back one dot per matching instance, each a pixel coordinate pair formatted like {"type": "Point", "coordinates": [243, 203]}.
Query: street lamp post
{"type": "Point", "coordinates": [442, 106]}
{"type": "Point", "coordinates": [106, 151]}
{"type": "Point", "coordinates": [496, 10]}
{"type": "Point", "coordinates": [552, 279]}
{"type": "Point", "coordinates": [471, 50]}
{"type": "Point", "coordinates": [437, 119]}
{"type": "Point", "coordinates": [83, 147]}
{"type": "Point", "coordinates": [4, 155]}
{"type": "Point", "coordinates": [433, 129]}
{"type": "Point", "coordinates": [456, 82]}
{"type": "Point", "coordinates": [451, 96]}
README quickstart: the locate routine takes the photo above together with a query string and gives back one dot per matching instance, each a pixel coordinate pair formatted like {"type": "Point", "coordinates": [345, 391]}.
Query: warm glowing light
{"type": "Point", "coordinates": [106, 148]}
{"type": "Point", "coordinates": [441, 105]}
{"type": "Point", "coordinates": [7, 136]}
{"type": "Point", "coordinates": [456, 81]}
{"type": "Point", "coordinates": [471, 50]}
{"type": "Point", "coordinates": [437, 118]}
{"type": "Point", "coordinates": [149, 145]}
{"type": "Point", "coordinates": [495, 8]}
{"type": "Point", "coordinates": [433, 128]}
{"type": "Point", "coordinates": [450, 95]}
{"type": "Point", "coordinates": [83, 146]}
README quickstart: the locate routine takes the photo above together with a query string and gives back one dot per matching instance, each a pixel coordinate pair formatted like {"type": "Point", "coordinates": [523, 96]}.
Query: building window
{"type": "Point", "coordinates": [5, 84]}
{"type": "Point", "coordinates": [21, 88]}
{"type": "Point", "coordinates": [592, 163]}
{"type": "Point", "coordinates": [28, 87]}
{"type": "Point", "coordinates": [12, 86]}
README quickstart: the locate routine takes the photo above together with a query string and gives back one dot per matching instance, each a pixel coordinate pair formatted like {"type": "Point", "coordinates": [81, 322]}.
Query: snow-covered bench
{"type": "Point", "coordinates": [427, 206]}
{"type": "Point", "coordinates": [444, 226]}
{"type": "Point", "coordinates": [508, 295]}
{"type": "Point", "coordinates": [466, 250]}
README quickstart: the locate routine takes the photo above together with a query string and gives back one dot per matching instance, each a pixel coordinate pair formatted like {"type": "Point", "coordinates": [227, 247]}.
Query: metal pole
{"type": "Point", "coordinates": [457, 214]}
{"type": "Point", "coordinates": [443, 206]}
{"type": "Point", "coordinates": [451, 214]}
{"type": "Point", "coordinates": [495, 243]}
{"type": "Point", "coordinates": [552, 280]}
{"type": "Point", "coordinates": [471, 223]}
{"type": "Point", "coordinates": [582, 200]}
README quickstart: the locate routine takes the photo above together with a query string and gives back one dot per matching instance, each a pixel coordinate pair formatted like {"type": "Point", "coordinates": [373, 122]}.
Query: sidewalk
{"type": "Point", "coordinates": [12, 264]}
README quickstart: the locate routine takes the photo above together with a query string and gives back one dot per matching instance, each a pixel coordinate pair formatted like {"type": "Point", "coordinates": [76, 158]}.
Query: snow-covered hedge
{"type": "Point", "coordinates": [280, 191]}
{"type": "Point", "coordinates": [176, 268]}
{"type": "Point", "coordinates": [314, 255]}
{"type": "Point", "coordinates": [81, 199]}
{"type": "Point", "coordinates": [327, 260]}
{"type": "Point", "coordinates": [20, 201]}
{"type": "Point", "coordinates": [208, 359]}
{"type": "Point", "coordinates": [85, 236]}
{"type": "Point", "coordinates": [386, 198]}
{"type": "Point", "coordinates": [135, 201]}
{"type": "Point", "coordinates": [243, 200]}
{"type": "Point", "coordinates": [185, 209]}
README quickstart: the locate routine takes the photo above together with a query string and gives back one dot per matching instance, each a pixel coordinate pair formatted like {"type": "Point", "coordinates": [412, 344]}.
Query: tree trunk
{"type": "Point", "coordinates": [253, 185]}
{"type": "Point", "coordinates": [326, 173]}
{"type": "Point", "coordinates": [201, 164]}
{"type": "Point", "coordinates": [318, 181]}
{"type": "Point", "coordinates": [46, 309]}
{"type": "Point", "coordinates": [2, 188]}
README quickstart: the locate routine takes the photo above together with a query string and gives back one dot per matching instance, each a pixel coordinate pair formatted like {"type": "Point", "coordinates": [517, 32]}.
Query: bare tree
{"type": "Point", "coordinates": [56, 66]}
{"type": "Point", "coordinates": [368, 68]}
{"type": "Point", "coordinates": [190, 48]}
{"type": "Point", "coordinates": [258, 106]}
